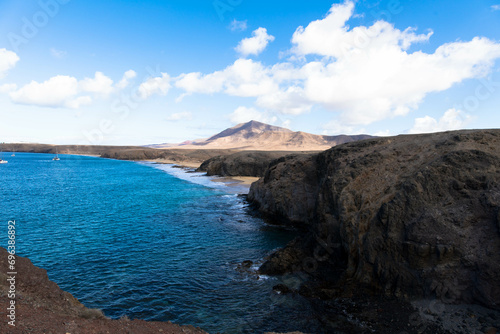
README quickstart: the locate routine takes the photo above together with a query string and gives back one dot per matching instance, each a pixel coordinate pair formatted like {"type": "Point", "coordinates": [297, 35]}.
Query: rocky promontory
{"type": "Point", "coordinates": [245, 163]}
{"type": "Point", "coordinates": [412, 215]}
{"type": "Point", "coordinates": [40, 306]}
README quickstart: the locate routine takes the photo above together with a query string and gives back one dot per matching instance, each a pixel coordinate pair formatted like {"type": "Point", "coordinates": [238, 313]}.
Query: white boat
{"type": "Point", "coordinates": [56, 158]}
{"type": "Point", "coordinates": [1, 157]}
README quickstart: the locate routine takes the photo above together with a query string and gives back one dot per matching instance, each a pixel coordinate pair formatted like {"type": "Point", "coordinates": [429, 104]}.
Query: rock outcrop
{"type": "Point", "coordinates": [246, 163]}
{"type": "Point", "coordinates": [42, 307]}
{"type": "Point", "coordinates": [415, 215]}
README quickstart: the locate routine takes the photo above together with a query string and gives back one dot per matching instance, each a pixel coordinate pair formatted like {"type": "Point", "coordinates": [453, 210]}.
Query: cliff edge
{"type": "Point", "coordinates": [413, 215]}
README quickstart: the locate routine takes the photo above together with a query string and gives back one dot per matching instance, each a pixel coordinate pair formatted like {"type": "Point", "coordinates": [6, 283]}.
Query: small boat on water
{"type": "Point", "coordinates": [1, 156]}
{"type": "Point", "coordinates": [56, 158]}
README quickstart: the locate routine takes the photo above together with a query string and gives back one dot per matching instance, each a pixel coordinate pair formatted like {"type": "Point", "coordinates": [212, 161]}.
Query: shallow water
{"type": "Point", "coordinates": [147, 241]}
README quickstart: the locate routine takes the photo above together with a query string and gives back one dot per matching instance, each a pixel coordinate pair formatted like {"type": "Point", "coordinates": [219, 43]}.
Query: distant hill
{"type": "Point", "coordinates": [264, 137]}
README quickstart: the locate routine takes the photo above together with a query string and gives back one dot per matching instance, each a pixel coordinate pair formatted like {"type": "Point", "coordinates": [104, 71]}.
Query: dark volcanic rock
{"type": "Point", "coordinates": [246, 163]}
{"type": "Point", "coordinates": [409, 215]}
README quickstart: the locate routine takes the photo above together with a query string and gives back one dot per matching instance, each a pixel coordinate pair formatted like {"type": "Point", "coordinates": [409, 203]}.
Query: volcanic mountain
{"type": "Point", "coordinates": [264, 137]}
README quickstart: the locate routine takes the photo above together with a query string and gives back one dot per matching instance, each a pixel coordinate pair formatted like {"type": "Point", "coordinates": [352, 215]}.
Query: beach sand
{"type": "Point", "coordinates": [185, 163]}
{"type": "Point", "coordinates": [237, 180]}
{"type": "Point", "coordinates": [230, 181]}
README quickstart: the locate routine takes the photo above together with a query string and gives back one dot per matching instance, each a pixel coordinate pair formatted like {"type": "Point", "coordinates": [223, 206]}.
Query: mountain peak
{"type": "Point", "coordinates": [256, 135]}
{"type": "Point", "coordinates": [248, 130]}
{"type": "Point", "coordinates": [255, 125]}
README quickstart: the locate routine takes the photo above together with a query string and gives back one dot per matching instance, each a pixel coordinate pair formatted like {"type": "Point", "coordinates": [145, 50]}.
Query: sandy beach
{"type": "Point", "coordinates": [230, 181]}
{"type": "Point", "coordinates": [186, 163]}
{"type": "Point", "coordinates": [237, 180]}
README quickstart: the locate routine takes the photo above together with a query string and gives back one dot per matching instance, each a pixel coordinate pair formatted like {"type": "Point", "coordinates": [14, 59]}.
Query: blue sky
{"type": "Point", "coordinates": [141, 72]}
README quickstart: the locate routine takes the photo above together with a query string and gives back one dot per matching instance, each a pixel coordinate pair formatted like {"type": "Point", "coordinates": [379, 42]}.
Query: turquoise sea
{"type": "Point", "coordinates": [147, 241]}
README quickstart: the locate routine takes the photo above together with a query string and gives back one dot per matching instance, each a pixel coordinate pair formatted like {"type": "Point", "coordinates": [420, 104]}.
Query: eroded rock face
{"type": "Point", "coordinates": [246, 163]}
{"type": "Point", "coordinates": [409, 215]}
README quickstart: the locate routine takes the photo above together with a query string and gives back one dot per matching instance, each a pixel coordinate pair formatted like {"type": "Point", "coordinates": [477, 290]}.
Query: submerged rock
{"type": "Point", "coordinates": [411, 215]}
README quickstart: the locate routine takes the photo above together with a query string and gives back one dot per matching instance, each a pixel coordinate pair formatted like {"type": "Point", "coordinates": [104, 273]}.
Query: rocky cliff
{"type": "Point", "coordinates": [411, 215]}
{"type": "Point", "coordinates": [246, 163]}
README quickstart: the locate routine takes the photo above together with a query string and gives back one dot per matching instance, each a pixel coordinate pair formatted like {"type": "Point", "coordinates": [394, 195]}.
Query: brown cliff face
{"type": "Point", "coordinates": [409, 215]}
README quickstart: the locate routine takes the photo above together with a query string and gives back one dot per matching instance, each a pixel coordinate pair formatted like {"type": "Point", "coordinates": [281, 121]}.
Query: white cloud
{"type": "Point", "coordinates": [256, 44]}
{"type": "Point", "coordinates": [244, 78]}
{"type": "Point", "coordinates": [244, 114]}
{"type": "Point", "coordinates": [58, 91]}
{"type": "Point", "coordinates": [78, 101]}
{"type": "Point", "coordinates": [100, 84]}
{"type": "Point", "coordinates": [368, 74]}
{"type": "Point", "coordinates": [59, 54]}
{"type": "Point", "coordinates": [365, 74]}
{"type": "Point", "coordinates": [452, 119]}
{"type": "Point", "coordinates": [8, 60]}
{"type": "Point", "coordinates": [286, 123]}
{"type": "Point", "coordinates": [125, 81]}
{"type": "Point", "coordinates": [291, 101]}
{"type": "Point", "coordinates": [7, 88]}
{"type": "Point", "coordinates": [155, 85]}
{"type": "Point", "coordinates": [495, 7]}
{"type": "Point", "coordinates": [332, 37]}
{"type": "Point", "coordinates": [64, 91]}
{"type": "Point", "coordinates": [196, 82]}
{"type": "Point", "coordinates": [335, 127]}
{"type": "Point", "coordinates": [238, 25]}
{"type": "Point", "coordinates": [185, 115]}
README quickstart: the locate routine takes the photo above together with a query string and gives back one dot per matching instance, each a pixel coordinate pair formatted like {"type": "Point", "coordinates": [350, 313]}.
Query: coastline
{"type": "Point", "coordinates": [240, 184]}
{"type": "Point", "coordinates": [183, 164]}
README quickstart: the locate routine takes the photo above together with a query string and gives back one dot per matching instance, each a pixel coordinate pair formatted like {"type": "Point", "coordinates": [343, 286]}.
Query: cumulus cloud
{"type": "Point", "coordinates": [332, 37]}
{"type": "Point", "coordinates": [256, 44]}
{"type": "Point", "coordinates": [238, 25]}
{"type": "Point", "coordinates": [367, 73]}
{"type": "Point", "coordinates": [244, 78]}
{"type": "Point", "coordinates": [125, 81]}
{"type": "Point", "coordinates": [100, 84]}
{"type": "Point", "coordinates": [452, 119]}
{"type": "Point", "coordinates": [363, 73]}
{"type": "Point", "coordinates": [495, 7]}
{"type": "Point", "coordinates": [155, 85]}
{"type": "Point", "coordinates": [64, 91]}
{"type": "Point", "coordinates": [291, 101]}
{"type": "Point", "coordinates": [58, 91]}
{"type": "Point", "coordinates": [8, 60]}
{"type": "Point", "coordinates": [185, 115]}
{"type": "Point", "coordinates": [244, 114]}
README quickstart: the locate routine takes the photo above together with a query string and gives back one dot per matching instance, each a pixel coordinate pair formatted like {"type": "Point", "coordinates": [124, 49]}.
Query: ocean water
{"type": "Point", "coordinates": [147, 241]}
